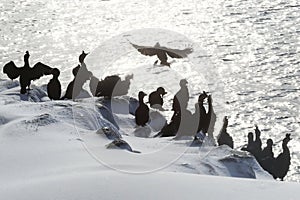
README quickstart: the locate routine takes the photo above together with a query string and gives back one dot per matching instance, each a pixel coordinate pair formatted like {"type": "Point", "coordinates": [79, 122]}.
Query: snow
{"type": "Point", "coordinates": [51, 150]}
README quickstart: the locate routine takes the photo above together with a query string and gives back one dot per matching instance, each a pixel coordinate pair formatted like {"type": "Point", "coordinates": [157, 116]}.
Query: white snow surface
{"type": "Point", "coordinates": [51, 150]}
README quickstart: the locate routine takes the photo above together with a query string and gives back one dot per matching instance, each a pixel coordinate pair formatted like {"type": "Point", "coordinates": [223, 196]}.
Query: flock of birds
{"type": "Point", "coordinates": [182, 123]}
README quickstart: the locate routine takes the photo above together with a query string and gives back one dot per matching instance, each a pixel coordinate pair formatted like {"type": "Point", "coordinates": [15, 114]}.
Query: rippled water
{"type": "Point", "coordinates": [253, 46]}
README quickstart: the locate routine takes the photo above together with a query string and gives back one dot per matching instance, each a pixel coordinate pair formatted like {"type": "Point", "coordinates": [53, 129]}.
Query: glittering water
{"type": "Point", "coordinates": [252, 45]}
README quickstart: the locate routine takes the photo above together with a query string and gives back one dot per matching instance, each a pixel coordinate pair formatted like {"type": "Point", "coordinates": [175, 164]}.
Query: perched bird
{"type": "Point", "coordinates": [170, 129]}
{"type": "Point", "coordinates": [250, 146]}
{"type": "Point", "coordinates": [257, 141]}
{"type": "Point", "coordinates": [156, 98]}
{"type": "Point", "coordinates": [224, 137]}
{"type": "Point", "coordinates": [268, 150]}
{"type": "Point", "coordinates": [266, 158]}
{"type": "Point", "coordinates": [54, 86]}
{"type": "Point", "coordinates": [26, 73]}
{"type": "Point", "coordinates": [182, 119]}
{"type": "Point", "coordinates": [69, 91]}
{"type": "Point", "coordinates": [254, 146]}
{"type": "Point", "coordinates": [110, 86]}
{"type": "Point", "coordinates": [211, 117]}
{"type": "Point", "coordinates": [181, 98]}
{"type": "Point", "coordinates": [283, 160]}
{"type": "Point", "coordinates": [82, 57]}
{"type": "Point", "coordinates": [200, 113]}
{"type": "Point", "coordinates": [81, 75]}
{"type": "Point", "coordinates": [162, 52]}
{"type": "Point", "coordinates": [142, 112]}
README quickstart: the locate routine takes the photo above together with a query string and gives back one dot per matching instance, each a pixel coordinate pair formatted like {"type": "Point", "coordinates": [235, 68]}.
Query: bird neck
{"type": "Point", "coordinates": [141, 99]}
{"type": "Point", "coordinates": [26, 61]}
{"type": "Point", "coordinates": [285, 148]}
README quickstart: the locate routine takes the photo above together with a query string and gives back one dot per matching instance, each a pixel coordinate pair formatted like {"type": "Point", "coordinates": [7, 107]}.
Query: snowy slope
{"type": "Point", "coordinates": [51, 150]}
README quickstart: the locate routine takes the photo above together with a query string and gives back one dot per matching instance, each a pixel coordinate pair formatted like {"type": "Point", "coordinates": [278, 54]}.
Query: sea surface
{"type": "Point", "coordinates": [250, 48]}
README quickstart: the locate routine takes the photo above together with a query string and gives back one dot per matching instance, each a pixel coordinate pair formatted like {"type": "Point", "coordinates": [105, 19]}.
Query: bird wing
{"type": "Point", "coordinates": [151, 51]}
{"type": "Point", "coordinates": [39, 70]}
{"type": "Point", "coordinates": [146, 50]}
{"type": "Point", "coordinates": [177, 53]}
{"type": "Point", "coordinates": [11, 70]}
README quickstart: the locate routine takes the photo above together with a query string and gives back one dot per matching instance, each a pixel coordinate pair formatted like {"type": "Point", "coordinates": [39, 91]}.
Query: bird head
{"type": "Point", "coordinates": [142, 95]}
{"type": "Point", "coordinates": [55, 72]}
{"type": "Point", "coordinates": [157, 44]}
{"type": "Point", "coordinates": [270, 142]}
{"type": "Point", "coordinates": [26, 56]}
{"type": "Point", "coordinates": [161, 91]}
{"type": "Point", "coordinates": [75, 70]}
{"type": "Point", "coordinates": [82, 56]}
{"type": "Point", "coordinates": [250, 136]}
{"type": "Point", "coordinates": [202, 96]}
{"type": "Point", "coordinates": [183, 82]}
{"type": "Point", "coordinates": [225, 121]}
{"type": "Point", "coordinates": [287, 138]}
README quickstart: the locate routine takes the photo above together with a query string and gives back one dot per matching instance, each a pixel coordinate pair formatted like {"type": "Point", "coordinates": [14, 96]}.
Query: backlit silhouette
{"type": "Point", "coordinates": [26, 73]}
{"type": "Point", "coordinates": [162, 52]}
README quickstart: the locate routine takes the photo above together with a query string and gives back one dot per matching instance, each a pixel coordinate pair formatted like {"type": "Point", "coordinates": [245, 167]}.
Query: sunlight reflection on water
{"type": "Point", "coordinates": [253, 44]}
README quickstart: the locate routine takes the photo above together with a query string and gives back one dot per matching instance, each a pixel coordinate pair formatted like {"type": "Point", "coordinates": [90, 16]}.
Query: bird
{"type": "Point", "coordinates": [81, 75]}
{"type": "Point", "coordinates": [200, 113]}
{"type": "Point", "coordinates": [156, 98]}
{"type": "Point", "coordinates": [170, 129]}
{"type": "Point", "coordinates": [162, 52]}
{"type": "Point", "coordinates": [266, 158]}
{"type": "Point", "coordinates": [26, 73]}
{"type": "Point", "coordinates": [181, 98]}
{"type": "Point", "coordinates": [254, 146]}
{"type": "Point", "coordinates": [82, 56]}
{"type": "Point", "coordinates": [69, 91]}
{"type": "Point", "coordinates": [142, 111]}
{"type": "Point", "coordinates": [224, 137]}
{"type": "Point", "coordinates": [257, 141]}
{"type": "Point", "coordinates": [268, 150]}
{"type": "Point", "coordinates": [110, 86]}
{"type": "Point", "coordinates": [283, 160]}
{"type": "Point", "coordinates": [211, 117]}
{"type": "Point", "coordinates": [54, 86]}
{"type": "Point", "coordinates": [181, 116]}
{"type": "Point", "coordinates": [250, 146]}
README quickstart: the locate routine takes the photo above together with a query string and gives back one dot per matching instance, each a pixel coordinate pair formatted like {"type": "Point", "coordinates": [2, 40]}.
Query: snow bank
{"type": "Point", "coordinates": [51, 150]}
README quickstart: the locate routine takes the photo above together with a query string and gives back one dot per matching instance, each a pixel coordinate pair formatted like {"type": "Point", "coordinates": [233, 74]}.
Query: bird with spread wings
{"type": "Point", "coordinates": [26, 73]}
{"type": "Point", "coordinates": [161, 52]}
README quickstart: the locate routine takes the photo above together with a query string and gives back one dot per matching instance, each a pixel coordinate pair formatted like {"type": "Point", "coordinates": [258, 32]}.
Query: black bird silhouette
{"type": "Point", "coordinates": [110, 86]}
{"type": "Point", "coordinates": [254, 146]}
{"type": "Point", "coordinates": [162, 52]}
{"type": "Point", "coordinates": [156, 98]}
{"type": "Point", "coordinates": [142, 111]}
{"type": "Point", "coordinates": [54, 86]}
{"type": "Point", "coordinates": [283, 160]}
{"type": "Point", "coordinates": [201, 114]}
{"type": "Point", "coordinates": [266, 158]}
{"type": "Point", "coordinates": [69, 91]}
{"type": "Point", "coordinates": [224, 137]}
{"type": "Point", "coordinates": [26, 73]}
{"type": "Point", "coordinates": [257, 142]}
{"type": "Point", "coordinates": [171, 129]}
{"type": "Point", "coordinates": [81, 75]}
{"type": "Point", "coordinates": [250, 146]}
{"type": "Point", "coordinates": [181, 98]}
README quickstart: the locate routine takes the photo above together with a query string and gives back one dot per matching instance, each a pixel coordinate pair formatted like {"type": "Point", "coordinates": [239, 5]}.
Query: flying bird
{"type": "Point", "coordinates": [162, 52]}
{"type": "Point", "coordinates": [26, 74]}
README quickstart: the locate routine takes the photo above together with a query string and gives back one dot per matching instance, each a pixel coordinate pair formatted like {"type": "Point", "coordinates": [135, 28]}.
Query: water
{"type": "Point", "coordinates": [253, 47]}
